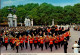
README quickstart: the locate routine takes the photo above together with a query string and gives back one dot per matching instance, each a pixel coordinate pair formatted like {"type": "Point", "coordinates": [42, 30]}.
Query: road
{"type": "Point", "coordinates": [74, 37]}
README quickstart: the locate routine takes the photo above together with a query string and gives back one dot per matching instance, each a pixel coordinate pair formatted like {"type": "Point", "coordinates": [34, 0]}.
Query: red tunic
{"type": "Point", "coordinates": [38, 40]}
{"type": "Point", "coordinates": [56, 41]}
{"type": "Point", "coordinates": [13, 41]}
{"type": "Point", "coordinates": [31, 41]}
{"type": "Point", "coordinates": [48, 30]}
{"type": "Point", "coordinates": [62, 39]}
{"type": "Point", "coordinates": [67, 33]}
{"type": "Point", "coordinates": [21, 41]}
{"type": "Point", "coordinates": [26, 40]}
{"type": "Point", "coordinates": [41, 42]}
{"type": "Point", "coordinates": [57, 38]}
{"type": "Point", "coordinates": [6, 40]}
{"type": "Point", "coordinates": [35, 41]}
{"type": "Point", "coordinates": [51, 41]}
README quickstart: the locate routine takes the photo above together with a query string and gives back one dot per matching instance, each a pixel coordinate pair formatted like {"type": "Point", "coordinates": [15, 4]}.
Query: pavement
{"type": "Point", "coordinates": [74, 37]}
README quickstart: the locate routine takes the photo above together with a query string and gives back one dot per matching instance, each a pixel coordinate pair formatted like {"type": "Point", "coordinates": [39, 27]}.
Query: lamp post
{"type": "Point", "coordinates": [14, 11]}
{"type": "Point", "coordinates": [12, 18]}
{"type": "Point", "coordinates": [9, 9]}
{"type": "Point", "coordinates": [21, 21]}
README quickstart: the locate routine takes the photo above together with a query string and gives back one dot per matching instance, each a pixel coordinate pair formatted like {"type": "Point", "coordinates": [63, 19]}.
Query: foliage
{"type": "Point", "coordinates": [44, 13]}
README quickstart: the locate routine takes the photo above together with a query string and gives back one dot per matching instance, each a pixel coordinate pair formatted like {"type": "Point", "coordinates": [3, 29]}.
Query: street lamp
{"type": "Point", "coordinates": [10, 9]}
{"type": "Point", "coordinates": [14, 10]}
{"type": "Point", "coordinates": [21, 21]}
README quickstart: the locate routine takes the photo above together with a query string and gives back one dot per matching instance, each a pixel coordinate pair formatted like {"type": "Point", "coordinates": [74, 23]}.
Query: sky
{"type": "Point", "coordinates": [53, 2]}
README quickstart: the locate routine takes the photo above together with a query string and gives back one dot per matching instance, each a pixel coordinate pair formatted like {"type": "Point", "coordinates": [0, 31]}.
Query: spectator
{"type": "Point", "coordinates": [79, 43]}
{"type": "Point", "coordinates": [75, 46]}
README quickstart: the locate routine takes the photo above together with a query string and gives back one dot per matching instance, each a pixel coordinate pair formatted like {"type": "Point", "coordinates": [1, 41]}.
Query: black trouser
{"type": "Point", "coordinates": [3, 43]}
{"type": "Point", "coordinates": [51, 45]}
{"type": "Point", "coordinates": [6, 44]}
{"type": "Point", "coordinates": [17, 48]}
{"type": "Point", "coordinates": [35, 45]}
{"type": "Point", "coordinates": [41, 45]}
{"type": "Point", "coordinates": [68, 38]}
{"type": "Point", "coordinates": [10, 43]}
{"type": "Point", "coordinates": [21, 45]}
{"type": "Point", "coordinates": [13, 46]}
{"type": "Point", "coordinates": [59, 44]}
{"type": "Point", "coordinates": [62, 42]}
{"type": "Point", "coordinates": [46, 44]}
{"type": "Point", "coordinates": [31, 46]}
{"type": "Point", "coordinates": [65, 50]}
{"type": "Point", "coordinates": [55, 45]}
{"type": "Point", "coordinates": [26, 45]}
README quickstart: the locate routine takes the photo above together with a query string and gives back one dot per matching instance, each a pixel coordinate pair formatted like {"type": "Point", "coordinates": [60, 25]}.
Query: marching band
{"type": "Point", "coordinates": [50, 37]}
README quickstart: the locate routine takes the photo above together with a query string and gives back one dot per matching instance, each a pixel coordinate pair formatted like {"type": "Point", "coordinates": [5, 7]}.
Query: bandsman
{"type": "Point", "coordinates": [31, 42]}
{"type": "Point", "coordinates": [17, 45]}
{"type": "Point", "coordinates": [51, 43]}
{"type": "Point", "coordinates": [35, 43]}
{"type": "Point", "coordinates": [56, 43]}
{"type": "Point", "coordinates": [41, 43]}
{"type": "Point", "coordinates": [13, 43]}
{"type": "Point", "coordinates": [62, 40]}
{"type": "Point", "coordinates": [21, 43]}
{"type": "Point", "coordinates": [26, 41]}
{"type": "Point", "coordinates": [6, 42]}
{"type": "Point", "coordinates": [46, 42]}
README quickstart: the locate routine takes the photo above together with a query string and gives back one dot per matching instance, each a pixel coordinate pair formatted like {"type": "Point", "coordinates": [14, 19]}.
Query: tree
{"type": "Point", "coordinates": [44, 13]}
